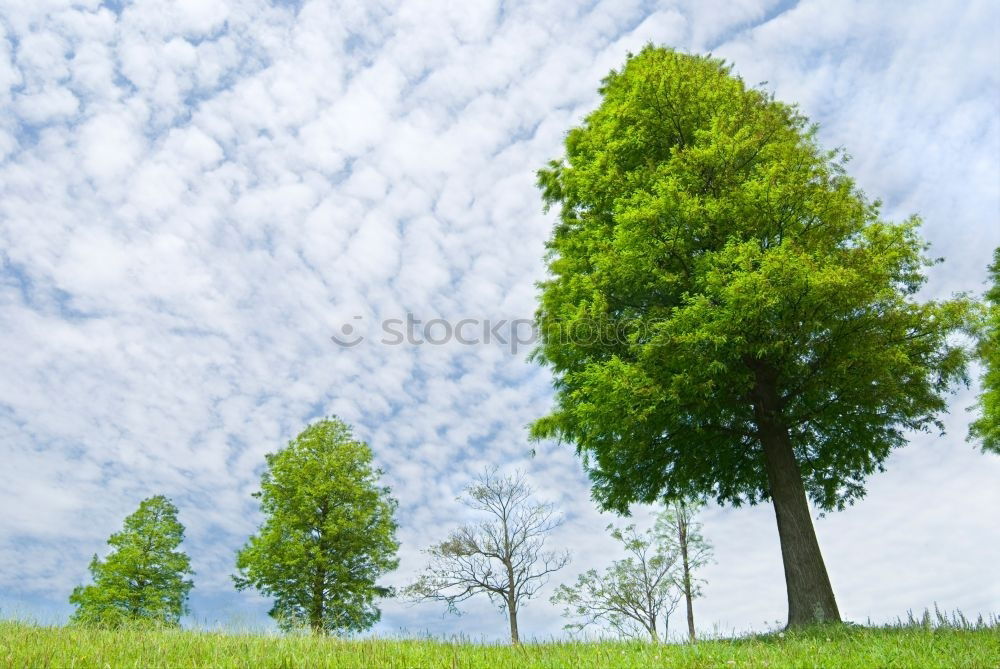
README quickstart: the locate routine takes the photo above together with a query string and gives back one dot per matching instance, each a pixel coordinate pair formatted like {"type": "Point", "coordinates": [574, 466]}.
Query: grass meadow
{"type": "Point", "coordinates": [915, 644]}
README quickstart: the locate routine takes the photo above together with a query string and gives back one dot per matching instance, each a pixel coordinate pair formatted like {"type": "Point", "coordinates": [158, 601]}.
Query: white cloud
{"type": "Point", "coordinates": [110, 146]}
{"type": "Point", "coordinates": [47, 105]}
{"type": "Point", "coordinates": [194, 196]}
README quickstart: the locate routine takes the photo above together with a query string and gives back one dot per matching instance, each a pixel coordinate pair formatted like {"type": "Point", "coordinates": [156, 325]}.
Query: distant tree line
{"type": "Point", "coordinates": [328, 535]}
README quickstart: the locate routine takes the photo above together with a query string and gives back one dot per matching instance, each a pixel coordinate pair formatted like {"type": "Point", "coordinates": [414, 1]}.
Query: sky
{"type": "Point", "coordinates": [196, 195]}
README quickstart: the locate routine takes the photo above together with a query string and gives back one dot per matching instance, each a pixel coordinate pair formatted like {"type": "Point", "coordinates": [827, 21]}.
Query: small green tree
{"type": "Point", "coordinates": [986, 428]}
{"type": "Point", "coordinates": [327, 536]}
{"type": "Point", "coordinates": [680, 530]}
{"type": "Point", "coordinates": [634, 595]}
{"type": "Point", "coordinates": [727, 315]}
{"type": "Point", "coordinates": [142, 580]}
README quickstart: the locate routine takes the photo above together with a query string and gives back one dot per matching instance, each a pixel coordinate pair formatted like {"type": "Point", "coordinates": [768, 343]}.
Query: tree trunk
{"type": "Point", "coordinates": [511, 580]}
{"type": "Point", "coordinates": [319, 578]}
{"type": "Point", "coordinates": [690, 607]}
{"type": "Point", "coordinates": [810, 595]}
{"type": "Point", "coordinates": [316, 612]}
{"type": "Point", "coordinates": [512, 616]}
{"type": "Point", "coordinates": [683, 542]}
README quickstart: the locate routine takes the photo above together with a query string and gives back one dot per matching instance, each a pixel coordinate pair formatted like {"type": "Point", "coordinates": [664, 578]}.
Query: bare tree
{"type": "Point", "coordinates": [634, 595]}
{"type": "Point", "coordinates": [682, 533]}
{"type": "Point", "coordinates": [502, 556]}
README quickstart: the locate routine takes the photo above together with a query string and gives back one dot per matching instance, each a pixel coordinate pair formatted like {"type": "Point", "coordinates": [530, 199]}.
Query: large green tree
{"type": "Point", "coordinates": [143, 579]}
{"type": "Point", "coordinates": [986, 427]}
{"type": "Point", "coordinates": [328, 533]}
{"type": "Point", "coordinates": [727, 314]}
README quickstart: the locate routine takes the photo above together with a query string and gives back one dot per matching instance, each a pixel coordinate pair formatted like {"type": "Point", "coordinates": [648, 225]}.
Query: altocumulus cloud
{"type": "Point", "coordinates": [195, 194]}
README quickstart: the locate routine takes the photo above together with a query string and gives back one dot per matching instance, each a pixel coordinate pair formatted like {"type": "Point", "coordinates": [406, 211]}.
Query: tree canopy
{"type": "Point", "coordinates": [328, 533]}
{"type": "Point", "coordinates": [143, 578]}
{"type": "Point", "coordinates": [986, 427]}
{"type": "Point", "coordinates": [727, 314]}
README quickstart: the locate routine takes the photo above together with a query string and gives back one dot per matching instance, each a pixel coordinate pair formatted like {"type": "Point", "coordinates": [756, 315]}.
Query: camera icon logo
{"type": "Point", "coordinates": [348, 337]}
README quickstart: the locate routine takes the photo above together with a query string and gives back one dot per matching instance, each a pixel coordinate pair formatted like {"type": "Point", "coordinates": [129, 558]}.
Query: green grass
{"type": "Point", "coordinates": [26, 645]}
